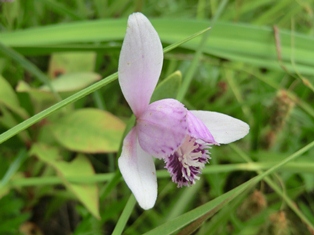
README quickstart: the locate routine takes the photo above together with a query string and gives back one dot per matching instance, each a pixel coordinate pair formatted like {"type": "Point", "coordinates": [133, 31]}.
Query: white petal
{"type": "Point", "coordinates": [138, 170]}
{"type": "Point", "coordinates": [140, 62]}
{"type": "Point", "coordinates": [224, 128]}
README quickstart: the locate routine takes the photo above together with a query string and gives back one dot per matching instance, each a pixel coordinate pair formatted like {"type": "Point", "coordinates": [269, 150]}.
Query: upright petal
{"type": "Point", "coordinates": [138, 171]}
{"type": "Point", "coordinates": [162, 127]}
{"type": "Point", "coordinates": [224, 128]}
{"type": "Point", "coordinates": [140, 62]}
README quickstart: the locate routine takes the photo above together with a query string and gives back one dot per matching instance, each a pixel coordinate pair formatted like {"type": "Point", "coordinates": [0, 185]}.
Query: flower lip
{"type": "Point", "coordinates": [187, 162]}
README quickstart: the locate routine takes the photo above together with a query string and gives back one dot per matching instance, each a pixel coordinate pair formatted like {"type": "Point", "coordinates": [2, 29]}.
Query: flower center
{"type": "Point", "coordinates": [187, 162]}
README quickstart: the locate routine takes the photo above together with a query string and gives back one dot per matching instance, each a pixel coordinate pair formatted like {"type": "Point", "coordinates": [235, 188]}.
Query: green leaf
{"type": "Point", "coordinates": [87, 194]}
{"type": "Point", "coordinates": [70, 82]}
{"type": "Point", "coordinates": [168, 88]}
{"type": "Point", "coordinates": [202, 212]}
{"type": "Point", "coordinates": [39, 116]}
{"type": "Point", "coordinates": [62, 9]}
{"type": "Point", "coordinates": [80, 94]}
{"type": "Point", "coordinates": [123, 219]}
{"type": "Point", "coordinates": [4, 191]}
{"type": "Point", "coordinates": [69, 62]}
{"type": "Point", "coordinates": [89, 130]}
{"type": "Point", "coordinates": [27, 65]}
{"type": "Point", "coordinates": [41, 99]}
{"type": "Point", "coordinates": [14, 166]}
{"type": "Point", "coordinates": [8, 120]}
{"type": "Point", "coordinates": [9, 98]}
{"type": "Point", "coordinates": [7, 95]}
{"type": "Point", "coordinates": [234, 41]}
{"type": "Point", "coordinates": [13, 213]}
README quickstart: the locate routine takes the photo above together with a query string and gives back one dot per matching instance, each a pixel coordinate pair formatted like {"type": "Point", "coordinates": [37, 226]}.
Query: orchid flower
{"type": "Point", "coordinates": [164, 129]}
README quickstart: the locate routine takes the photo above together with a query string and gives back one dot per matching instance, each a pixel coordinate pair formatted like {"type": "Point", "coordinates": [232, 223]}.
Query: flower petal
{"type": "Point", "coordinates": [224, 128]}
{"type": "Point", "coordinates": [138, 170]}
{"type": "Point", "coordinates": [198, 130]}
{"type": "Point", "coordinates": [140, 62]}
{"type": "Point", "coordinates": [162, 127]}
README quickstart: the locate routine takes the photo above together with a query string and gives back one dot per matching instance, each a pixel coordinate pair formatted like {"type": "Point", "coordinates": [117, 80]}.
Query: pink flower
{"type": "Point", "coordinates": [164, 129]}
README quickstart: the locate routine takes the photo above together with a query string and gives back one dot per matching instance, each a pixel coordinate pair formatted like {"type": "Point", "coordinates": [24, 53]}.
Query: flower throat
{"type": "Point", "coordinates": [187, 162]}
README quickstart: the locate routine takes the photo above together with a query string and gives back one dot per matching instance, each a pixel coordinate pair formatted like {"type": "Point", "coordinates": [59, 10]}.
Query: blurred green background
{"type": "Point", "coordinates": [59, 172]}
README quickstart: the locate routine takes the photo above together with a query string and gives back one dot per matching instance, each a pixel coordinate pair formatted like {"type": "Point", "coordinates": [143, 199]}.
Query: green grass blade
{"type": "Point", "coordinates": [27, 65]}
{"type": "Point", "coordinates": [289, 202]}
{"type": "Point", "coordinates": [13, 167]}
{"type": "Point", "coordinates": [62, 10]}
{"type": "Point", "coordinates": [234, 41]}
{"type": "Point", "coordinates": [128, 209]}
{"type": "Point", "coordinates": [37, 117]}
{"type": "Point", "coordinates": [210, 208]}
{"type": "Point", "coordinates": [177, 44]}
{"type": "Point", "coordinates": [295, 167]}
{"type": "Point", "coordinates": [27, 123]}
{"type": "Point", "coordinates": [207, 210]}
{"type": "Point", "coordinates": [198, 54]}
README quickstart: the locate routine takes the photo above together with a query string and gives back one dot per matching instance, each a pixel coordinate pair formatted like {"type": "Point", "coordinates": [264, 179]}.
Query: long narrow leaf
{"type": "Point", "coordinates": [210, 208]}
{"type": "Point", "coordinates": [234, 41]}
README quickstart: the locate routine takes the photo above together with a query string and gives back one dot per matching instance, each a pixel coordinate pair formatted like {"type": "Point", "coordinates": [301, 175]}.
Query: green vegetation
{"type": "Point", "coordinates": [63, 116]}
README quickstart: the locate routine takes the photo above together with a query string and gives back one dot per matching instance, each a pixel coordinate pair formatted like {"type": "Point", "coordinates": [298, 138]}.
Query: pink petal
{"type": "Point", "coordinates": [138, 170]}
{"type": "Point", "coordinates": [225, 129]}
{"type": "Point", "coordinates": [162, 127]}
{"type": "Point", "coordinates": [198, 130]}
{"type": "Point", "coordinates": [140, 62]}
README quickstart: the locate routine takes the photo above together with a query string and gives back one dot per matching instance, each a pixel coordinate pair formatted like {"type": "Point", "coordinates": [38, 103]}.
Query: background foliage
{"type": "Point", "coordinates": [63, 117]}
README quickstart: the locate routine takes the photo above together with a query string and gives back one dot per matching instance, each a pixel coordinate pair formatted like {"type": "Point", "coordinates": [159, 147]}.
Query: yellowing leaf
{"type": "Point", "coordinates": [9, 98]}
{"type": "Point", "coordinates": [89, 130]}
{"type": "Point", "coordinates": [72, 81]}
{"type": "Point", "coordinates": [8, 120]}
{"type": "Point", "coordinates": [69, 62]}
{"type": "Point", "coordinates": [41, 99]}
{"type": "Point", "coordinates": [87, 194]}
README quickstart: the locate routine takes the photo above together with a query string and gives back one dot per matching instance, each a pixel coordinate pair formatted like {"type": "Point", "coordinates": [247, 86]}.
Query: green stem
{"type": "Point", "coordinates": [251, 166]}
